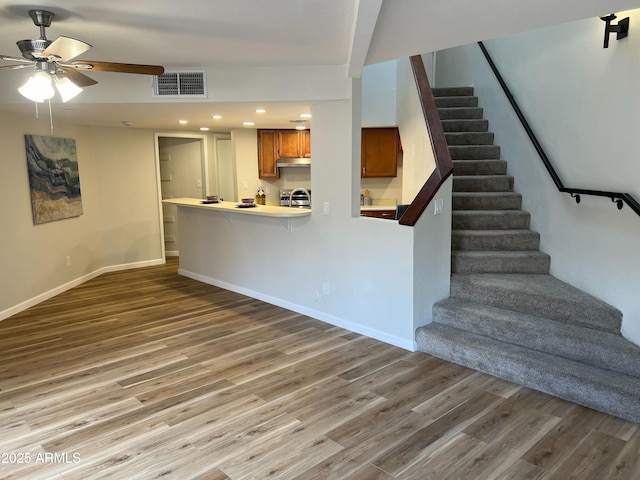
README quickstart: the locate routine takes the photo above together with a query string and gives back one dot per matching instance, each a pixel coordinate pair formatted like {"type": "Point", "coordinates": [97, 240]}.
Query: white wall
{"type": "Point", "coordinates": [432, 234]}
{"type": "Point", "coordinates": [379, 95]}
{"type": "Point", "coordinates": [582, 103]}
{"type": "Point", "coordinates": [367, 263]}
{"type": "Point", "coordinates": [418, 156]}
{"type": "Point", "coordinates": [128, 189]}
{"type": "Point", "coordinates": [222, 167]}
{"type": "Point", "coordinates": [224, 84]}
{"type": "Point", "coordinates": [119, 227]}
{"type": "Point", "coordinates": [33, 257]}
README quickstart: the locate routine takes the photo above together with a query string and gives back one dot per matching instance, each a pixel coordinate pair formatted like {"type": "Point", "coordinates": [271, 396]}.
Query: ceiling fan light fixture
{"type": "Point", "coordinates": [67, 88]}
{"type": "Point", "coordinates": [38, 88]}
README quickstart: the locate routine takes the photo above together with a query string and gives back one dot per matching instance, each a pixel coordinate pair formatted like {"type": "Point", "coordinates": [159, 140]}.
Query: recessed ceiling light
{"type": "Point", "coordinates": [261, 110]}
{"type": "Point", "coordinates": [300, 127]}
{"type": "Point", "coordinates": [217, 117]}
{"type": "Point", "coordinates": [182, 122]}
{"type": "Point", "coordinates": [204, 129]}
{"type": "Point", "coordinates": [248, 124]}
{"type": "Point", "coordinates": [305, 115]}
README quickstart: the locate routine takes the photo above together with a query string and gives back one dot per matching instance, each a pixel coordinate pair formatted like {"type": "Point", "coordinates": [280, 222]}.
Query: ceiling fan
{"type": "Point", "coordinates": [54, 63]}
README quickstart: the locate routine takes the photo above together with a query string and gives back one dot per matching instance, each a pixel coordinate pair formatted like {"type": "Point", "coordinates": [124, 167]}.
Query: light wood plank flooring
{"type": "Point", "coordinates": [145, 374]}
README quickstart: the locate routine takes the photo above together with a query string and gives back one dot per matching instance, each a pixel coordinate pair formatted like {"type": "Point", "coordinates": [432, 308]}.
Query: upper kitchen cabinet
{"type": "Point", "coordinates": [268, 154]}
{"type": "Point", "coordinates": [379, 155]}
{"type": "Point", "coordinates": [294, 144]}
{"type": "Point", "coordinates": [276, 144]}
{"type": "Point", "coordinates": [306, 143]}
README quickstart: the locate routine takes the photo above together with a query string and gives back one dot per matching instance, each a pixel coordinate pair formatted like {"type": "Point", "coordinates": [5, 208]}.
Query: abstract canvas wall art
{"type": "Point", "coordinates": [53, 178]}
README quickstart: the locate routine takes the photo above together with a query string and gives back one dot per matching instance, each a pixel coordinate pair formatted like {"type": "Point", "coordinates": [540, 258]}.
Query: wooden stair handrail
{"type": "Point", "coordinates": [444, 165]}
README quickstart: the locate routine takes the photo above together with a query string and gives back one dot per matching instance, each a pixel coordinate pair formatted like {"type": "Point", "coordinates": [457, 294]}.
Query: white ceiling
{"type": "Point", "coordinates": [238, 33]}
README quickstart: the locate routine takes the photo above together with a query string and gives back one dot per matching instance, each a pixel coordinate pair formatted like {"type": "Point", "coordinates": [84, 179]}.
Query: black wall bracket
{"type": "Point", "coordinates": [621, 29]}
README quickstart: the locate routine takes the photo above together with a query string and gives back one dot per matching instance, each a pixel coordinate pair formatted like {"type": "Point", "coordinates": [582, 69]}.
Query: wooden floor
{"type": "Point", "coordinates": [146, 374]}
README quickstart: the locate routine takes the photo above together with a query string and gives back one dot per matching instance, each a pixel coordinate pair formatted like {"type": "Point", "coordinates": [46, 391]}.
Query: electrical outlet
{"type": "Point", "coordinates": [198, 183]}
{"type": "Point", "coordinates": [325, 208]}
{"type": "Point", "coordinates": [326, 290]}
{"type": "Point", "coordinates": [68, 260]}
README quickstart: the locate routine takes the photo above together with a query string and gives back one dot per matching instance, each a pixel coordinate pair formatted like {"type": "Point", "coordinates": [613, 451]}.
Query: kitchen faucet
{"type": "Point", "coordinates": [299, 189]}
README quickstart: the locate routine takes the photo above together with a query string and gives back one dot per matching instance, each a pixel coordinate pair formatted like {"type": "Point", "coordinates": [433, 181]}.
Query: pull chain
{"type": "Point", "coordinates": [50, 116]}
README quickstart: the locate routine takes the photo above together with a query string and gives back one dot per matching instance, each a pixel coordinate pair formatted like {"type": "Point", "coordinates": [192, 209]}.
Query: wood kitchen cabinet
{"type": "Point", "coordinates": [379, 154]}
{"type": "Point", "coordinates": [294, 143]}
{"type": "Point", "coordinates": [305, 142]}
{"type": "Point", "coordinates": [388, 214]}
{"type": "Point", "coordinates": [268, 154]}
{"type": "Point", "coordinates": [274, 144]}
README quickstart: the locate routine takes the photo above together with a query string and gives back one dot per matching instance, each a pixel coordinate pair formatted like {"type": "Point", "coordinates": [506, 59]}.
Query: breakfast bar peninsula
{"type": "Point", "coordinates": [241, 209]}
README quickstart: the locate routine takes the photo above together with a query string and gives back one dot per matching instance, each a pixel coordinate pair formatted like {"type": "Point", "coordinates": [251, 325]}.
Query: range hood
{"type": "Point", "coordinates": [293, 162]}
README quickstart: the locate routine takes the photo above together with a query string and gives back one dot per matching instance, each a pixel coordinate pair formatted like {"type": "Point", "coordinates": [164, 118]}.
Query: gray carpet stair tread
{"type": "Point", "coordinates": [479, 167]}
{"type": "Point", "coordinates": [542, 295]}
{"type": "Point", "coordinates": [487, 240]}
{"type": "Point", "coordinates": [452, 91]}
{"type": "Point", "coordinates": [503, 262]}
{"type": "Point", "coordinates": [490, 219]}
{"type": "Point", "coordinates": [467, 138]}
{"type": "Point", "coordinates": [601, 349]}
{"type": "Point", "coordinates": [473, 124]}
{"type": "Point", "coordinates": [486, 200]}
{"type": "Point", "coordinates": [456, 101]}
{"type": "Point", "coordinates": [586, 385]}
{"type": "Point", "coordinates": [474, 152]}
{"type": "Point", "coordinates": [461, 113]}
{"type": "Point", "coordinates": [482, 183]}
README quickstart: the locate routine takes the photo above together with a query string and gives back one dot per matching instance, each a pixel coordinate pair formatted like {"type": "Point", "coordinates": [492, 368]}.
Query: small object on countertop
{"type": "Point", "coordinates": [261, 197]}
{"type": "Point", "coordinates": [367, 198]}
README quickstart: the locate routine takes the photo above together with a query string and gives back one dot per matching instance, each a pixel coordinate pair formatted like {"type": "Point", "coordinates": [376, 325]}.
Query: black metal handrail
{"type": "Point", "coordinates": [616, 197]}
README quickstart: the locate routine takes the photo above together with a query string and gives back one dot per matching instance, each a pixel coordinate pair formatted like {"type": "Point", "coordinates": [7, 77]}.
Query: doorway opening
{"type": "Point", "coordinates": [183, 171]}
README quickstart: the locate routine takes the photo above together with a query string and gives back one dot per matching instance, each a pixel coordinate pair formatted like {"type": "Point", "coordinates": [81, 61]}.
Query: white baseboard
{"type": "Point", "coordinates": [409, 345]}
{"type": "Point", "coordinates": [73, 283]}
{"type": "Point", "coordinates": [130, 266]}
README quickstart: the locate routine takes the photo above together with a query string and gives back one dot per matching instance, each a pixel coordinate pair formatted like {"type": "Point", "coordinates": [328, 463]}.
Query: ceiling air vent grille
{"type": "Point", "coordinates": [180, 84]}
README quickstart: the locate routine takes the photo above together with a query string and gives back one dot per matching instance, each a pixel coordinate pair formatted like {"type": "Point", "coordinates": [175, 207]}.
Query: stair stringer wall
{"type": "Point", "coordinates": [593, 245]}
{"type": "Point", "coordinates": [432, 256]}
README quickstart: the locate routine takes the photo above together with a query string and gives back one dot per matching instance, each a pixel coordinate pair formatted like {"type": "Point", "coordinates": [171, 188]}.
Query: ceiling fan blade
{"type": "Point", "coordinates": [9, 58]}
{"type": "Point", "coordinates": [80, 79]}
{"type": "Point", "coordinates": [13, 67]}
{"type": "Point", "coordinates": [65, 48]}
{"type": "Point", "coordinates": [118, 67]}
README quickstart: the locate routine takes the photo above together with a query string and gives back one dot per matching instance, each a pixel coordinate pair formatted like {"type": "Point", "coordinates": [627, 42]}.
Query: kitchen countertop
{"type": "Point", "coordinates": [376, 208]}
{"type": "Point", "coordinates": [232, 207]}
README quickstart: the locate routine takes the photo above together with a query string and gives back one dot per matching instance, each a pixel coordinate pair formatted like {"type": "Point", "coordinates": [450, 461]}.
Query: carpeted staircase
{"type": "Point", "coordinates": [506, 315]}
